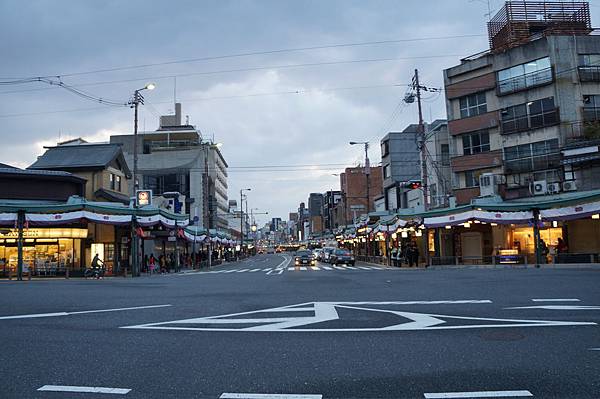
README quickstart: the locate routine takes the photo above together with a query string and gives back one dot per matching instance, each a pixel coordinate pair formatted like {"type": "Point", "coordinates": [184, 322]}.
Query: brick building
{"type": "Point", "coordinates": [353, 183]}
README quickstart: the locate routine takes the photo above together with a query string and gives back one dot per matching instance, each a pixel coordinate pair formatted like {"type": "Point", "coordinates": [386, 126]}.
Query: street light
{"type": "Point", "coordinates": [134, 103]}
{"type": "Point", "coordinates": [242, 216]}
{"type": "Point", "coordinates": [367, 173]}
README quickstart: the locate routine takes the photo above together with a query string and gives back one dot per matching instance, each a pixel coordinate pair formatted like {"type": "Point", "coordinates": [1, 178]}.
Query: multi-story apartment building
{"type": "Point", "coordinates": [401, 163]}
{"type": "Point", "coordinates": [523, 116]}
{"type": "Point", "coordinates": [330, 200]}
{"type": "Point", "coordinates": [174, 158]}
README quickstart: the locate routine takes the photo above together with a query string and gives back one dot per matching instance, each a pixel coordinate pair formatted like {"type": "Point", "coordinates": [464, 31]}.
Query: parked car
{"type": "Point", "coordinates": [326, 254]}
{"type": "Point", "coordinates": [341, 256]}
{"type": "Point", "coordinates": [304, 257]}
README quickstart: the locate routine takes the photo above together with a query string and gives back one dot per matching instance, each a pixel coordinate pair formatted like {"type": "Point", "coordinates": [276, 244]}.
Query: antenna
{"type": "Point", "coordinates": [174, 89]}
{"type": "Point", "coordinates": [187, 120]}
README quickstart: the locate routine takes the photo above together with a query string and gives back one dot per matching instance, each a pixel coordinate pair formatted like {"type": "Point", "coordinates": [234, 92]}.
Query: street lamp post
{"type": "Point", "coordinates": [134, 103]}
{"type": "Point", "coordinates": [242, 217]}
{"type": "Point", "coordinates": [367, 173]}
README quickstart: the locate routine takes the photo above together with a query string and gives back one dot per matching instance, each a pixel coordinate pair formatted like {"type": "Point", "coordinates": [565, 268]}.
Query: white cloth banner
{"type": "Point", "coordinates": [8, 219]}
{"type": "Point", "coordinates": [171, 222]}
{"type": "Point", "coordinates": [571, 212]}
{"type": "Point", "coordinates": [146, 221]}
{"type": "Point", "coordinates": [483, 216]}
{"type": "Point", "coordinates": [70, 217]}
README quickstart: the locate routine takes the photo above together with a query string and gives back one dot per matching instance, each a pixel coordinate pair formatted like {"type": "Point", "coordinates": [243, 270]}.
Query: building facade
{"type": "Point", "coordinates": [353, 183]}
{"type": "Point", "coordinates": [175, 159]}
{"type": "Point", "coordinates": [523, 116]}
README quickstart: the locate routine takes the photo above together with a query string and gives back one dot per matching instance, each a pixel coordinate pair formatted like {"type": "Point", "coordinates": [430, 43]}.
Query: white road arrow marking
{"type": "Point", "coordinates": [263, 320]}
{"type": "Point", "coordinates": [558, 307]}
{"type": "Point", "coordinates": [32, 316]}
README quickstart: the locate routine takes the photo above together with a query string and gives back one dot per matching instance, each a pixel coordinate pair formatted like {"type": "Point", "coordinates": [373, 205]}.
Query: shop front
{"type": "Point", "coordinates": [46, 251]}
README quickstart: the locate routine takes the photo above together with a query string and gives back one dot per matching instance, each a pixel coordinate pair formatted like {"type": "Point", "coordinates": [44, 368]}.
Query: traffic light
{"type": "Point", "coordinates": [412, 185]}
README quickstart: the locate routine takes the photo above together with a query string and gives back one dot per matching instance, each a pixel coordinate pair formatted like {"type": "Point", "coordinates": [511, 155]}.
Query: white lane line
{"type": "Point", "coordinates": [595, 349]}
{"type": "Point", "coordinates": [72, 388]}
{"type": "Point", "coordinates": [326, 267]}
{"type": "Point", "coordinates": [451, 302]}
{"type": "Point", "coordinates": [316, 267]}
{"type": "Point", "coordinates": [555, 300]}
{"type": "Point", "coordinates": [558, 307]}
{"type": "Point", "coordinates": [268, 396]}
{"type": "Point", "coordinates": [480, 394]}
{"type": "Point", "coordinates": [281, 271]}
{"type": "Point", "coordinates": [254, 270]}
{"type": "Point", "coordinates": [242, 270]}
{"type": "Point", "coordinates": [31, 316]}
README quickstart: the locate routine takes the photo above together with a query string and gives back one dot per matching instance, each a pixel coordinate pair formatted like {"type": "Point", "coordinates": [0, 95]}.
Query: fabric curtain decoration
{"type": "Point", "coordinates": [571, 212]}
{"type": "Point", "coordinates": [483, 216]}
{"type": "Point", "coordinates": [72, 217]}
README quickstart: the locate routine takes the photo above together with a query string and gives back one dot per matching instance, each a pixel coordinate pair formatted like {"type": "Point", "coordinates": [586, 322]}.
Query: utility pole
{"type": "Point", "coordinates": [421, 141]}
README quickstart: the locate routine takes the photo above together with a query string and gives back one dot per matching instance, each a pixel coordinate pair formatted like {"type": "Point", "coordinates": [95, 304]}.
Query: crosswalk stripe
{"type": "Point", "coordinates": [363, 267]}
{"type": "Point", "coordinates": [242, 270]}
{"type": "Point", "coordinates": [291, 268]}
{"type": "Point", "coordinates": [480, 394]}
{"type": "Point", "coordinates": [302, 268]}
{"type": "Point", "coordinates": [326, 267]}
{"type": "Point", "coordinates": [315, 268]}
{"type": "Point", "coordinates": [230, 271]}
{"type": "Point", "coordinates": [351, 267]}
{"type": "Point", "coordinates": [338, 267]}
{"type": "Point", "coordinates": [254, 270]}
{"type": "Point", "coordinates": [267, 269]}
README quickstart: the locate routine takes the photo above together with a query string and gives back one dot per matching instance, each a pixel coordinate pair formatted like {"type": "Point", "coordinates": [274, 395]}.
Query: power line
{"type": "Point", "coordinates": [266, 52]}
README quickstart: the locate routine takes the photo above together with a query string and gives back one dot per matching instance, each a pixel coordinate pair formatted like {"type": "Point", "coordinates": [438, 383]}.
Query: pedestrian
{"type": "Point", "coordinates": [561, 246]}
{"type": "Point", "coordinates": [415, 254]}
{"type": "Point", "coordinates": [151, 263]}
{"type": "Point", "coordinates": [146, 263]}
{"type": "Point", "coordinates": [543, 251]}
{"type": "Point", "coordinates": [163, 264]}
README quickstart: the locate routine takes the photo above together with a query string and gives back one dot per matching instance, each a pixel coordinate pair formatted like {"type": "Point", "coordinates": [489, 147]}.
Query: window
{"type": "Point", "coordinates": [519, 77]}
{"type": "Point", "coordinates": [589, 67]}
{"type": "Point", "coordinates": [591, 108]}
{"type": "Point", "coordinates": [445, 148]}
{"type": "Point", "coordinates": [472, 179]}
{"type": "Point", "coordinates": [472, 105]}
{"type": "Point", "coordinates": [112, 181]}
{"type": "Point", "coordinates": [477, 142]}
{"type": "Point", "coordinates": [386, 171]}
{"type": "Point", "coordinates": [165, 183]}
{"type": "Point", "coordinates": [532, 115]}
{"type": "Point", "coordinates": [117, 183]}
{"type": "Point", "coordinates": [534, 156]}
{"type": "Point", "coordinates": [385, 148]}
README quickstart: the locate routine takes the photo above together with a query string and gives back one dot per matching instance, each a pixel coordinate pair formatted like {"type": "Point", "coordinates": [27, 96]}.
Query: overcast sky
{"type": "Point", "coordinates": [272, 115]}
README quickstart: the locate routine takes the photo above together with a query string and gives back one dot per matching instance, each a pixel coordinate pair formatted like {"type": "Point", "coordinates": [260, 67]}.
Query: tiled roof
{"type": "Point", "coordinates": [77, 156]}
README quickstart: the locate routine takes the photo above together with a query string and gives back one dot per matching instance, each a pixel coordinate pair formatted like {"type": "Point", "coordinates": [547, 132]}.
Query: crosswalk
{"type": "Point", "coordinates": [275, 271]}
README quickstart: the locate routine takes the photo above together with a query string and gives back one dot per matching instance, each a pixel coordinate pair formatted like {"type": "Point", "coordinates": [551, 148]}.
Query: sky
{"type": "Point", "coordinates": [272, 111]}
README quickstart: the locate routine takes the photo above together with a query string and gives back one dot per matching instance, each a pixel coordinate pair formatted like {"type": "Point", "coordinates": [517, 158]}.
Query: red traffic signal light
{"type": "Point", "coordinates": [412, 185]}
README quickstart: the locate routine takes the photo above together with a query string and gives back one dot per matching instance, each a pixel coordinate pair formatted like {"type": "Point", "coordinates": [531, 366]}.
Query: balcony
{"type": "Point", "coordinates": [588, 129]}
{"type": "Point", "coordinates": [465, 195]}
{"type": "Point", "coordinates": [473, 123]}
{"type": "Point", "coordinates": [529, 122]}
{"type": "Point", "coordinates": [482, 160]}
{"type": "Point", "coordinates": [526, 81]}
{"type": "Point", "coordinates": [589, 73]}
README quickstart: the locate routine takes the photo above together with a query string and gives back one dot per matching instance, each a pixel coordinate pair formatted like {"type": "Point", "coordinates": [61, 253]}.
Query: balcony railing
{"type": "Point", "coordinates": [589, 73]}
{"type": "Point", "coordinates": [525, 81]}
{"type": "Point", "coordinates": [591, 114]}
{"type": "Point", "coordinates": [527, 122]}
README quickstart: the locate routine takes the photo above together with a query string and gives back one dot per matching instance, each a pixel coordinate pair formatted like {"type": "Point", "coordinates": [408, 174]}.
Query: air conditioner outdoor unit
{"type": "Point", "coordinates": [487, 185]}
{"type": "Point", "coordinates": [553, 188]}
{"type": "Point", "coordinates": [540, 187]}
{"type": "Point", "coordinates": [569, 186]}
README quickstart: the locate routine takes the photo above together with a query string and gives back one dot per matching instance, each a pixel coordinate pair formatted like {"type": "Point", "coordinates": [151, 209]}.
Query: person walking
{"type": "Point", "coordinates": [151, 264]}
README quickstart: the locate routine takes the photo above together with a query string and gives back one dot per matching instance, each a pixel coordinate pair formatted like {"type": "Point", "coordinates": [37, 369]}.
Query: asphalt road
{"type": "Point", "coordinates": [341, 333]}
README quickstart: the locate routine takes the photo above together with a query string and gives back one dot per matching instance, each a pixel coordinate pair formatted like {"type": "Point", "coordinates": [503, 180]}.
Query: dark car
{"type": "Point", "coordinates": [304, 257]}
{"type": "Point", "coordinates": [341, 256]}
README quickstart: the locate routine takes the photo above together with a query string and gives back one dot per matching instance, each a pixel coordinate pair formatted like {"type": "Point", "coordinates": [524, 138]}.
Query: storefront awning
{"type": "Point", "coordinates": [46, 219]}
{"type": "Point", "coordinates": [483, 216]}
{"type": "Point", "coordinates": [571, 212]}
{"type": "Point", "coordinates": [8, 219]}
